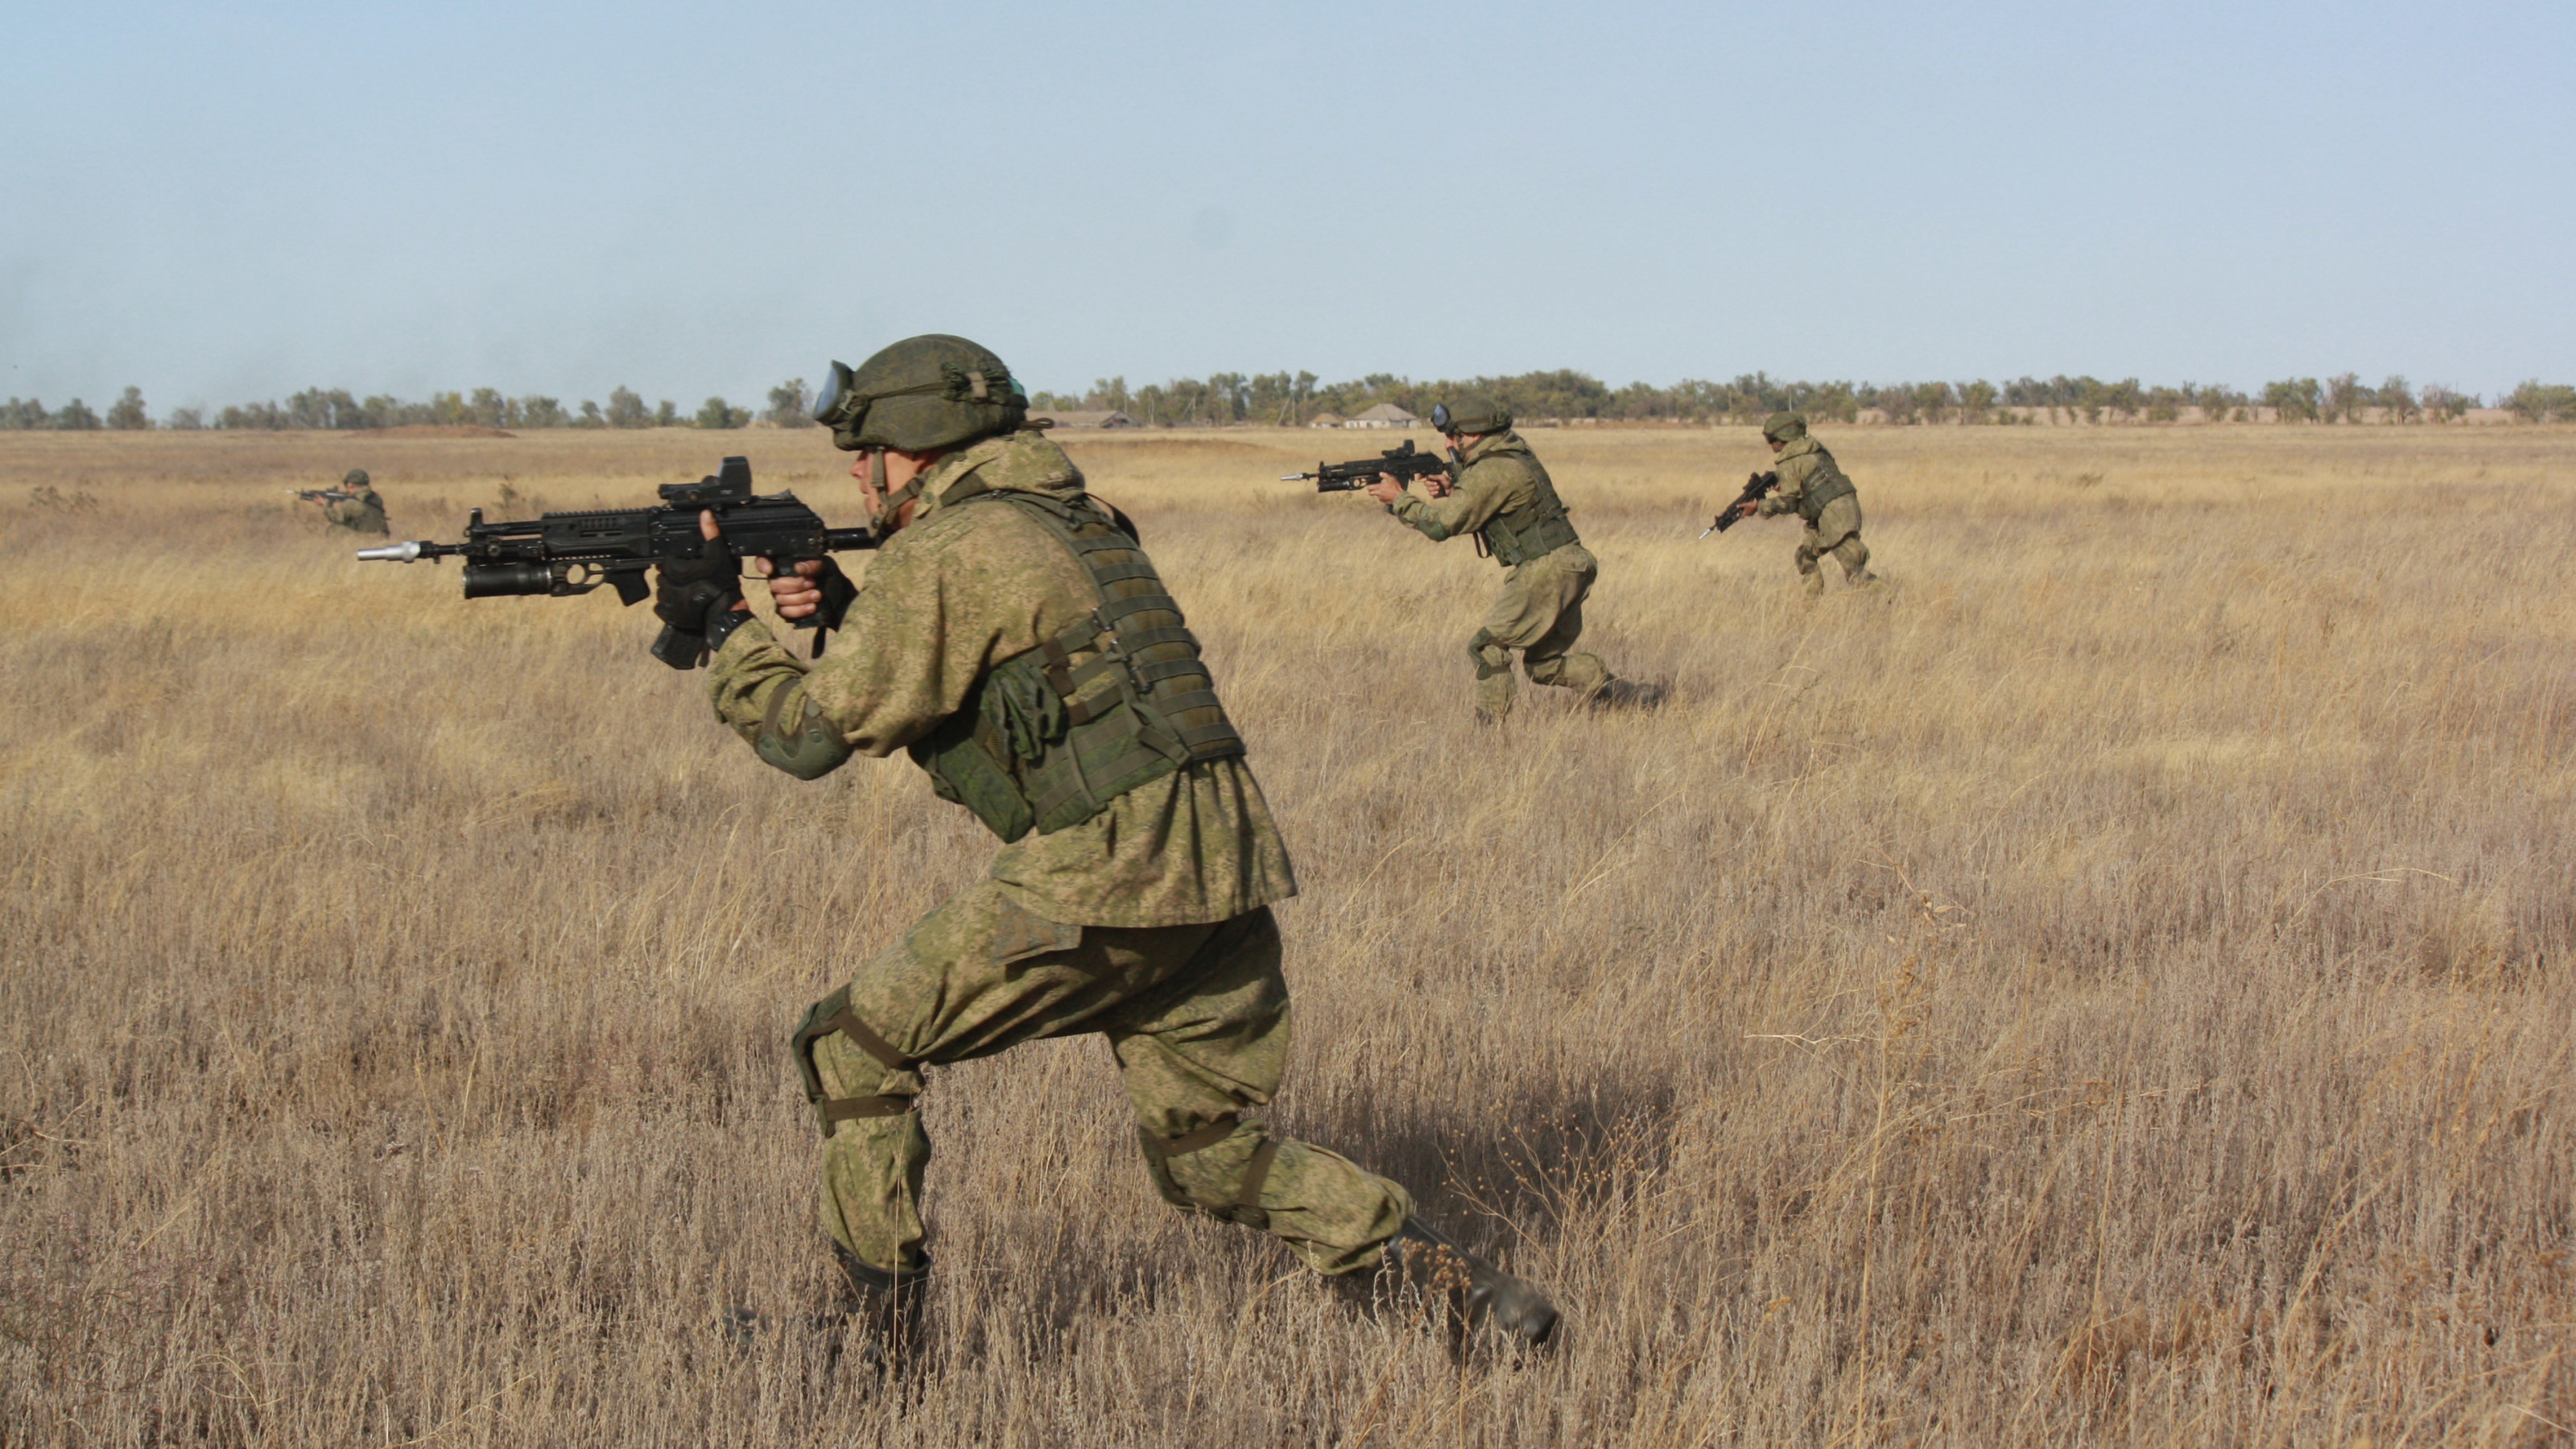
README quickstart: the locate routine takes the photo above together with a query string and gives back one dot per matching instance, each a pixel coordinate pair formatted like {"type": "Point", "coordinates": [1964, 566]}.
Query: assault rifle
{"type": "Point", "coordinates": [1756, 486]}
{"type": "Point", "coordinates": [562, 554]}
{"type": "Point", "coordinates": [1404, 463]}
{"type": "Point", "coordinates": [320, 495]}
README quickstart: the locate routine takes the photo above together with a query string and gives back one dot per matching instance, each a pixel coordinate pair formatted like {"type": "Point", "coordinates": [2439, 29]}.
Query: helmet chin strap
{"type": "Point", "coordinates": [889, 505]}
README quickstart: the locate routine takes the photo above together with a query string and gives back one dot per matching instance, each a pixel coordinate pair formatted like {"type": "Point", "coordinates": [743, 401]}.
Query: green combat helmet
{"type": "Point", "coordinates": [923, 393]}
{"type": "Point", "coordinates": [1783, 427]}
{"type": "Point", "coordinates": [1474, 413]}
{"type": "Point", "coordinates": [356, 478]}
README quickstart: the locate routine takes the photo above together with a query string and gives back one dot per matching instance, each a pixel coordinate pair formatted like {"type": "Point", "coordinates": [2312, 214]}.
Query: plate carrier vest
{"type": "Point", "coordinates": [1048, 737]}
{"type": "Point", "coordinates": [1517, 535]}
{"type": "Point", "coordinates": [1832, 487]}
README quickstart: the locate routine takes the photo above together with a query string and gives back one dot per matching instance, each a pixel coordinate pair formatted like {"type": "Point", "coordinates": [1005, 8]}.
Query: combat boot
{"type": "Point", "coordinates": [1427, 1272]}
{"type": "Point", "coordinates": [879, 1316]}
{"type": "Point", "coordinates": [1616, 693]}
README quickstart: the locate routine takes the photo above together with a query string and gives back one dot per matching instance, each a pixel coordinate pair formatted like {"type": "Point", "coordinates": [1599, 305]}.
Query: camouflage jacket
{"type": "Point", "coordinates": [364, 513]}
{"type": "Point", "coordinates": [963, 589]}
{"type": "Point", "coordinates": [1805, 468]}
{"type": "Point", "coordinates": [1498, 476]}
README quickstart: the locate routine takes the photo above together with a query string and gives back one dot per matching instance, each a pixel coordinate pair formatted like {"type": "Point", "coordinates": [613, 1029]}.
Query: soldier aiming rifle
{"type": "Point", "coordinates": [1017, 643]}
{"type": "Point", "coordinates": [1494, 488]}
{"type": "Point", "coordinates": [1808, 483]}
{"type": "Point", "coordinates": [354, 505]}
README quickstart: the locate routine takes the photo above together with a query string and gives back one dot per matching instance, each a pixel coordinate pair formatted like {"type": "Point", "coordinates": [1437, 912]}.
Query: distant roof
{"type": "Point", "coordinates": [1385, 413]}
{"type": "Point", "coordinates": [1326, 420]}
{"type": "Point", "coordinates": [1067, 419]}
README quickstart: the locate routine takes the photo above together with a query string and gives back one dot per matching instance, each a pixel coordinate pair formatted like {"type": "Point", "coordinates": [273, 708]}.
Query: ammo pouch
{"type": "Point", "coordinates": [1518, 535]}
{"type": "Point", "coordinates": [1524, 534]}
{"type": "Point", "coordinates": [1048, 737]}
{"type": "Point", "coordinates": [1832, 488]}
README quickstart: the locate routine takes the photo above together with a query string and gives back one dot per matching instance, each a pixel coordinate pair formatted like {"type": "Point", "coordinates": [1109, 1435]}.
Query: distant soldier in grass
{"type": "Point", "coordinates": [354, 505]}
{"type": "Point", "coordinates": [1014, 639]}
{"type": "Point", "coordinates": [1501, 494]}
{"type": "Point", "coordinates": [1812, 487]}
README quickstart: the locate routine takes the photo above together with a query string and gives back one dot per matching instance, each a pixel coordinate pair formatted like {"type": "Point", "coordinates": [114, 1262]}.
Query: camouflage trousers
{"type": "Point", "coordinates": [1836, 531]}
{"type": "Point", "coordinates": [1197, 1022]}
{"type": "Point", "coordinates": [1540, 613]}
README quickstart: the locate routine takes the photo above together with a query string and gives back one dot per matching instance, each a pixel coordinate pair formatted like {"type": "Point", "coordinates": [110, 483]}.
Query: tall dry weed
{"type": "Point", "coordinates": [2111, 986]}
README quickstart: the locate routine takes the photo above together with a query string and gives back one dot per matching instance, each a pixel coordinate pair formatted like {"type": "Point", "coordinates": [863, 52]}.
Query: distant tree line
{"type": "Point", "coordinates": [1289, 399]}
{"type": "Point", "coordinates": [1292, 398]}
{"type": "Point", "coordinates": [335, 409]}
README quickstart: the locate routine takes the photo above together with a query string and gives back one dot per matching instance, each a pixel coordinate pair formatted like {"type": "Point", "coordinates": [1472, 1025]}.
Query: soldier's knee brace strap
{"type": "Point", "coordinates": [833, 1014]}
{"type": "Point", "coordinates": [1491, 658]}
{"type": "Point", "coordinates": [1255, 1173]}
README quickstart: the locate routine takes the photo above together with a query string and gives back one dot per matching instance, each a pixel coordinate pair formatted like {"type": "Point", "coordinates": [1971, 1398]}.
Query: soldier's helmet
{"type": "Point", "coordinates": [926, 392]}
{"type": "Point", "coordinates": [1471, 413]}
{"type": "Point", "coordinates": [356, 478]}
{"type": "Point", "coordinates": [1782, 427]}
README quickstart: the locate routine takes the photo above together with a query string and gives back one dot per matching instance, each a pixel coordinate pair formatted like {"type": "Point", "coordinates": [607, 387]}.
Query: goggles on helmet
{"type": "Point", "coordinates": [1440, 418]}
{"type": "Point", "coordinates": [838, 405]}
{"type": "Point", "coordinates": [841, 407]}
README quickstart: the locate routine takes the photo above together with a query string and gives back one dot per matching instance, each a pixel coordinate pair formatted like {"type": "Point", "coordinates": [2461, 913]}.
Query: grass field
{"type": "Point", "coordinates": [2112, 986]}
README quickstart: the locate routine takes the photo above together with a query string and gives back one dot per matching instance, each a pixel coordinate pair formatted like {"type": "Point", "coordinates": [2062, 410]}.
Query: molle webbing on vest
{"type": "Point", "coordinates": [1518, 535]}
{"type": "Point", "coordinates": [1051, 735]}
{"type": "Point", "coordinates": [1831, 488]}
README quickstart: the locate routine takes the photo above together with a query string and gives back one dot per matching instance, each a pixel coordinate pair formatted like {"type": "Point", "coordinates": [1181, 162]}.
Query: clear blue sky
{"type": "Point", "coordinates": [227, 203]}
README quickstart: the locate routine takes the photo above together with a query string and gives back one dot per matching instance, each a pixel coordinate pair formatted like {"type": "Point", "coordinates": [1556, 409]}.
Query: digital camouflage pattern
{"type": "Point", "coordinates": [958, 592]}
{"type": "Point", "coordinates": [923, 393]}
{"type": "Point", "coordinates": [1540, 611]}
{"type": "Point", "coordinates": [1813, 487]}
{"type": "Point", "coordinates": [1147, 923]}
{"type": "Point", "coordinates": [1197, 1020]}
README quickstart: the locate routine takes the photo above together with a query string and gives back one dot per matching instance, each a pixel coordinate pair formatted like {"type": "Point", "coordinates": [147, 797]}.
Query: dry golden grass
{"type": "Point", "coordinates": [2112, 987]}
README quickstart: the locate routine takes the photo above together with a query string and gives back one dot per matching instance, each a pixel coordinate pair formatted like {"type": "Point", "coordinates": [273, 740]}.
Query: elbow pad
{"type": "Point", "coordinates": [796, 738]}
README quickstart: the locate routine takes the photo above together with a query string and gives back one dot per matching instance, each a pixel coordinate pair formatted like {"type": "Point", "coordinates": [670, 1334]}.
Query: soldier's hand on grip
{"type": "Point", "coordinates": [694, 595]}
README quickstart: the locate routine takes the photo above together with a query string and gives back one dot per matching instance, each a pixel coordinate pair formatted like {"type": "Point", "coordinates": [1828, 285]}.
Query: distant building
{"type": "Point", "coordinates": [1065, 419]}
{"type": "Point", "coordinates": [1329, 420]}
{"type": "Point", "coordinates": [1384, 415]}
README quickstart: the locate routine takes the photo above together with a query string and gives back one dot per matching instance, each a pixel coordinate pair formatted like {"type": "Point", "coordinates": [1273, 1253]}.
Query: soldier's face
{"type": "Point", "coordinates": [1776, 444]}
{"type": "Point", "coordinates": [900, 469]}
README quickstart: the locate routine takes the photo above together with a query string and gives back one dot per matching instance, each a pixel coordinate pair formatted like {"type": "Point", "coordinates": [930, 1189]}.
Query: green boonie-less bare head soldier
{"type": "Point", "coordinates": [1017, 643]}
{"type": "Point", "coordinates": [1498, 492]}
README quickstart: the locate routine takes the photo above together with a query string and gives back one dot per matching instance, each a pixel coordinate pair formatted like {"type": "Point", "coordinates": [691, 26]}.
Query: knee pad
{"type": "Point", "coordinates": [829, 1016]}
{"type": "Point", "coordinates": [1491, 658]}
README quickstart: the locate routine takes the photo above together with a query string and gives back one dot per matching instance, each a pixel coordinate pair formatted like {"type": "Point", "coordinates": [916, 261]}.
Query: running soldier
{"type": "Point", "coordinates": [1812, 487]}
{"type": "Point", "coordinates": [1500, 493]}
{"type": "Point", "coordinates": [1014, 639]}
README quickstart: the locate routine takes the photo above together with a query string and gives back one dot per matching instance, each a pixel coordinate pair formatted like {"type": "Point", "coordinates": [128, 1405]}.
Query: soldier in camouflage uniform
{"type": "Point", "coordinates": [1502, 495]}
{"type": "Point", "coordinates": [1014, 639]}
{"type": "Point", "coordinates": [1812, 487]}
{"type": "Point", "coordinates": [361, 510]}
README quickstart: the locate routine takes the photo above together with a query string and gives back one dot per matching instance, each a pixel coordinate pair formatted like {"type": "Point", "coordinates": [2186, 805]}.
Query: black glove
{"type": "Point", "coordinates": [696, 597]}
{"type": "Point", "coordinates": [838, 594]}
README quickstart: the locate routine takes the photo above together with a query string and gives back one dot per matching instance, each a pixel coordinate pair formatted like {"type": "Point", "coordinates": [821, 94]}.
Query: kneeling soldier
{"type": "Point", "coordinates": [1812, 487]}
{"type": "Point", "coordinates": [1018, 644]}
{"type": "Point", "coordinates": [1500, 493]}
